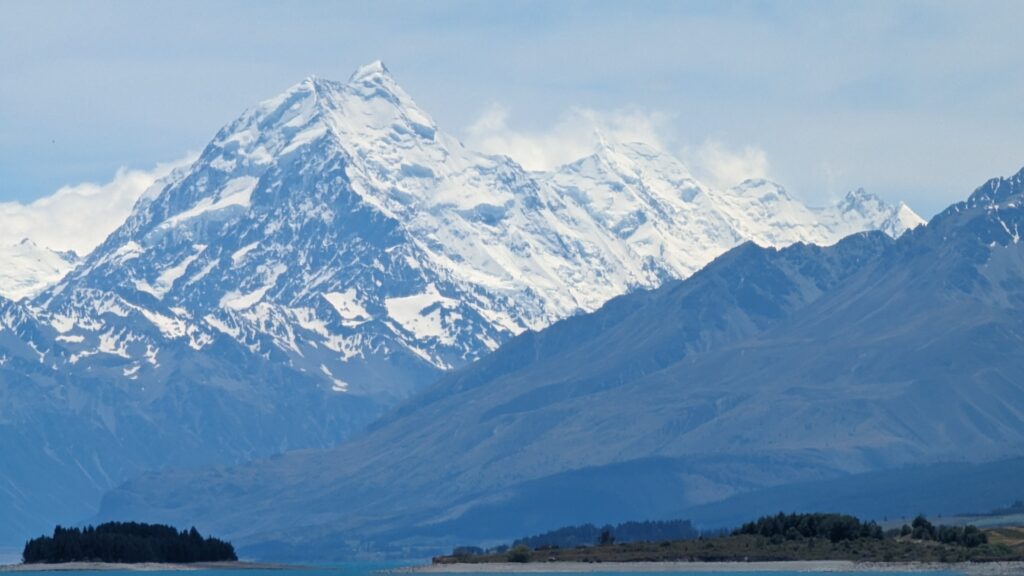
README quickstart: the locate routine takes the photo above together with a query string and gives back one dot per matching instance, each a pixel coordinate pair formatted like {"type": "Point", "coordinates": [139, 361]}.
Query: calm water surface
{"type": "Point", "coordinates": [379, 569]}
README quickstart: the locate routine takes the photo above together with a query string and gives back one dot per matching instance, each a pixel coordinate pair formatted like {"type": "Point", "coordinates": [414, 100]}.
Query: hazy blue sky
{"type": "Point", "coordinates": [919, 101]}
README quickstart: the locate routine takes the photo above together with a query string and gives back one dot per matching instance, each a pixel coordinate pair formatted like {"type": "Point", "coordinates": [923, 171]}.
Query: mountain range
{"type": "Point", "coordinates": [330, 253]}
{"type": "Point", "coordinates": [337, 227]}
{"type": "Point", "coordinates": [767, 368]}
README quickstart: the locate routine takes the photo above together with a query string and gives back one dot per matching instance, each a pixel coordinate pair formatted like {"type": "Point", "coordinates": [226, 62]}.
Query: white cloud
{"type": "Point", "coordinates": [575, 135]}
{"type": "Point", "coordinates": [722, 167]}
{"type": "Point", "coordinates": [578, 131]}
{"type": "Point", "coordinates": [80, 217]}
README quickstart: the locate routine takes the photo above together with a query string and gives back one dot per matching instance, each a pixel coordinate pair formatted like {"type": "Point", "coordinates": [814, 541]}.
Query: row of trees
{"type": "Point", "coordinates": [835, 527]}
{"type": "Point", "coordinates": [589, 534]}
{"type": "Point", "coordinates": [922, 529]}
{"type": "Point", "coordinates": [842, 527]}
{"type": "Point", "coordinates": [126, 542]}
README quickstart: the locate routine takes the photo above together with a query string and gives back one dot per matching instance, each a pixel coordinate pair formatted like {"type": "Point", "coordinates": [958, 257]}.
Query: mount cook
{"type": "Point", "coordinates": [330, 252]}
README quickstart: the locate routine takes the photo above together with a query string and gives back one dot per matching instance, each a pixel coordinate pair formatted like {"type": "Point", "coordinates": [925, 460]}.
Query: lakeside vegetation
{"type": "Point", "coordinates": [1010, 536]}
{"type": "Point", "coordinates": [585, 534]}
{"type": "Point", "coordinates": [781, 537]}
{"type": "Point", "coordinates": [126, 543]}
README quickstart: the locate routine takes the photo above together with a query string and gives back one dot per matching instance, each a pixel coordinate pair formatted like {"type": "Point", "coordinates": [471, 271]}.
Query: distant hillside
{"type": "Point", "coordinates": [768, 367]}
{"type": "Point", "coordinates": [944, 490]}
{"type": "Point", "coordinates": [780, 537]}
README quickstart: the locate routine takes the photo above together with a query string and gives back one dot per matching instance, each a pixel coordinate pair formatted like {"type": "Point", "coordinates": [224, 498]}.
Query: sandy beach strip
{"type": "Point", "coordinates": [818, 566]}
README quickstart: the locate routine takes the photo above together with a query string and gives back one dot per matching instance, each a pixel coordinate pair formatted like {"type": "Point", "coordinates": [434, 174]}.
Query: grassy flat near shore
{"type": "Point", "coordinates": [751, 548]}
{"type": "Point", "coordinates": [727, 568]}
{"type": "Point", "coordinates": [1010, 536]}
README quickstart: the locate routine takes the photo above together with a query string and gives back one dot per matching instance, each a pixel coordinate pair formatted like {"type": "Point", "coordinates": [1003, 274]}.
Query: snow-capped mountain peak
{"type": "Point", "coordinates": [337, 227]}
{"type": "Point", "coordinates": [762, 189]}
{"type": "Point", "coordinates": [861, 202]}
{"type": "Point", "coordinates": [901, 220]}
{"type": "Point", "coordinates": [374, 71]}
{"type": "Point", "coordinates": [863, 208]}
{"type": "Point", "coordinates": [635, 159]}
{"type": "Point", "coordinates": [27, 268]}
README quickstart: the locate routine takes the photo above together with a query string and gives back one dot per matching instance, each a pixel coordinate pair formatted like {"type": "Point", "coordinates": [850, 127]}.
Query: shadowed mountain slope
{"type": "Point", "coordinates": [766, 368]}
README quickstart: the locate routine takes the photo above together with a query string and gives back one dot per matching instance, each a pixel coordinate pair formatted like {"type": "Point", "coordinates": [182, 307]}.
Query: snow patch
{"type": "Point", "coordinates": [236, 300]}
{"type": "Point", "coordinates": [305, 137]}
{"type": "Point", "coordinates": [348, 307]}
{"type": "Point", "coordinates": [62, 323]}
{"type": "Point", "coordinates": [421, 313]}
{"type": "Point", "coordinates": [113, 344]}
{"type": "Point", "coordinates": [239, 254]}
{"type": "Point", "coordinates": [169, 327]}
{"type": "Point", "coordinates": [337, 384]}
{"type": "Point", "coordinates": [220, 326]}
{"type": "Point", "coordinates": [234, 193]}
{"type": "Point", "coordinates": [127, 251]}
{"type": "Point", "coordinates": [151, 355]}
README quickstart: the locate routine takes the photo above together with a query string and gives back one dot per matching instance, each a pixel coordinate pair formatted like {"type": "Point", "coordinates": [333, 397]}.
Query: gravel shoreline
{"type": "Point", "coordinates": [820, 566]}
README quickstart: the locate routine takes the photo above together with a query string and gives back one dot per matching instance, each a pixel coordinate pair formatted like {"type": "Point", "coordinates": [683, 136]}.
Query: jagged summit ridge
{"type": "Point", "coordinates": [998, 190]}
{"type": "Point", "coordinates": [336, 225]}
{"type": "Point", "coordinates": [860, 208]}
{"type": "Point", "coordinates": [375, 68]}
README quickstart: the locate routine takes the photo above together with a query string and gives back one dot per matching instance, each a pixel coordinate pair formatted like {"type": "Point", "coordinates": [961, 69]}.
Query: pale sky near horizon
{"type": "Point", "coordinates": [919, 101]}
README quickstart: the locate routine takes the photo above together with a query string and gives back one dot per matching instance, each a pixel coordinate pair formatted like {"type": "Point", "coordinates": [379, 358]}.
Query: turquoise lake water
{"type": "Point", "coordinates": [380, 570]}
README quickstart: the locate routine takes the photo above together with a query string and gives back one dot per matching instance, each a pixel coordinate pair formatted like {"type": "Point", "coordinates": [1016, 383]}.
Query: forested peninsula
{"type": "Point", "coordinates": [127, 543]}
